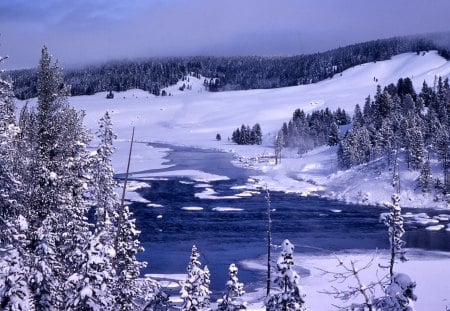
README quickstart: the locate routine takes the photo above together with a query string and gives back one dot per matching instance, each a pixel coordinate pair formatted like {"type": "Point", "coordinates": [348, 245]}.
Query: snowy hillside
{"type": "Point", "coordinates": [194, 116]}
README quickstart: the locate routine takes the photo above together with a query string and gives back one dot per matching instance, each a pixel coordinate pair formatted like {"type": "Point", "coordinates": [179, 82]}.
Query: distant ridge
{"type": "Point", "coordinates": [232, 73]}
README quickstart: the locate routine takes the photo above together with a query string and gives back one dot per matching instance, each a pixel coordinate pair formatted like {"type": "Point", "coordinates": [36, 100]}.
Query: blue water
{"type": "Point", "coordinates": [227, 237]}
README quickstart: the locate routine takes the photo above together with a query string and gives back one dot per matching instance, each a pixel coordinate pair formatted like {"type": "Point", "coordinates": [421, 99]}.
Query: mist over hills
{"type": "Point", "coordinates": [231, 73]}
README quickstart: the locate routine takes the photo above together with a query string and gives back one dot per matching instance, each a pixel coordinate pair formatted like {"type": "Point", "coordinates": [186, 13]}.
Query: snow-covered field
{"type": "Point", "coordinates": [422, 268]}
{"type": "Point", "coordinates": [194, 117]}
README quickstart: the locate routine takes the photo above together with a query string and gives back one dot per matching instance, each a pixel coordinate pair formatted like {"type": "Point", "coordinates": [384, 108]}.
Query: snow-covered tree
{"type": "Point", "coordinates": [399, 294]}
{"type": "Point", "coordinates": [415, 147]}
{"type": "Point", "coordinates": [425, 178]}
{"type": "Point", "coordinates": [15, 292]}
{"type": "Point", "coordinates": [104, 197]}
{"type": "Point", "coordinates": [195, 289]}
{"type": "Point", "coordinates": [394, 222]}
{"type": "Point", "coordinates": [290, 295]}
{"type": "Point", "coordinates": [278, 146]}
{"type": "Point", "coordinates": [9, 185]}
{"type": "Point", "coordinates": [333, 138]}
{"type": "Point", "coordinates": [232, 300]}
{"type": "Point", "coordinates": [89, 288]}
{"type": "Point", "coordinates": [126, 265]}
{"type": "Point", "coordinates": [152, 297]}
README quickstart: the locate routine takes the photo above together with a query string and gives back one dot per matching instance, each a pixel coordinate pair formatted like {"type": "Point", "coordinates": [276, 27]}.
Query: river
{"type": "Point", "coordinates": [224, 236]}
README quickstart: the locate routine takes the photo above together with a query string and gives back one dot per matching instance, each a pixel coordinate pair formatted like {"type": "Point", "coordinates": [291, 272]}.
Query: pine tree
{"type": "Point", "coordinates": [195, 289]}
{"type": "Point", "coordinates": [257, 134]}
{"type": "Point", "coordinates": [443, 151]}
{"type": "Point", "coordinates": [394, 222]}
{"type": "Point", "coordinates": [89, 288]}
{"type": "Point", "coordinates": [333, 138]}
{"type": "Point", "coordinates": [15, 292]}
{"type": "Point", "coordinates": [290, 295]}
{"type": "Point", "coordinates": [127, 267]}
{"type": "Point", "coordinates": [399, 293]}
{"type": "Point", "coordinates": [425, 177]}
{"type": "Point", "coordinates": [9, 155]}
{"type": "Point", "coordinates": [358, 119]}
{"type": "Point", "coordinates": [279, 143]}
{"type": "Point", "coordinates": [105, 198]}
{"type": "Point", "coordinates": [415, 147]}
{"type": "Point", "coordinates": [55, 178]}
{"type": "Point", "coordinates": [232, 300]}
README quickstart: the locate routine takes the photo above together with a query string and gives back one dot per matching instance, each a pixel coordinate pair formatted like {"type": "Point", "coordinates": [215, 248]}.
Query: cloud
{"type": "Point", "coordinates": [87, 31]}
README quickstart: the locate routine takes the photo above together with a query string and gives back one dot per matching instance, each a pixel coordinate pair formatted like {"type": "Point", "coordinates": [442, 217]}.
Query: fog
{"type": "Point", "coordinates": [83, 32]}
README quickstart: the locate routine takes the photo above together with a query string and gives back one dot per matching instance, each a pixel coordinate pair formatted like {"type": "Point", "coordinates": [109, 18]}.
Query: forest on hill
{"type": "Point", "coordinates": [229, 73]}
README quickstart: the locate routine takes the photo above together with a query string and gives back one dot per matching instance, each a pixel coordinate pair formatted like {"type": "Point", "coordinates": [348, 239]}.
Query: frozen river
{"type": "Point", "coordinates": [230, 225]}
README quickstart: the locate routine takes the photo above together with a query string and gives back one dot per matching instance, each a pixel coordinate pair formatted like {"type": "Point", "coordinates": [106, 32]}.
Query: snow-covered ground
{"type": "Point", "coordinates": [421, 267]}
{"type": "Point", "coordinates": [194, 116]}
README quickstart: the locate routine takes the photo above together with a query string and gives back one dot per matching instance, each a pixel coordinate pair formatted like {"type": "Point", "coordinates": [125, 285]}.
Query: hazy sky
{"type": "Point", "coordinates": [86, 31]}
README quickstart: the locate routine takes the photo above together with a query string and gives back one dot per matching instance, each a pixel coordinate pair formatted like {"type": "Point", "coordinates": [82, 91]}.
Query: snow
{"type": "Point", "coordinates": [154, 205]}
{"type": "Point", "coordinates": [192, 208]}
{"type": "Point", "coordinates": [435, 228]}
{"type": "Point", "coordinates": [194, 117]}
{"type": "Point", "coordinates": [227, 209]}
{"type": "Point", "coordinates": [211, 194]}
{"type": "Point", "coordinates": [192, 174]}
{"type": "Point", "coordinates": [421, 267]}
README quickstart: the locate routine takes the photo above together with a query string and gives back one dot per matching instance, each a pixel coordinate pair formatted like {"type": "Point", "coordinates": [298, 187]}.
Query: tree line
{"type": "Point", "coordinates": [399, 122]}
{"type": "Point", "coordinates": [225, 73]}
{"type": "Point", "coordinates": [307, 131]}
{"type": "Point", "coordinates": [53, 255]}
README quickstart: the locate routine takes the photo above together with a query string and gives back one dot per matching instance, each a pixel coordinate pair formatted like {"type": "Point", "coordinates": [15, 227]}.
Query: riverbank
{"type": "Point", "coordinates": [427, 269]}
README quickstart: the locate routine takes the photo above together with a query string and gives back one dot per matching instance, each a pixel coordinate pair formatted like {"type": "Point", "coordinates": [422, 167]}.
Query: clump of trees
{"type": "Point", "coordinates": [307, 131]}
{"type": "Point", "coordinates": [398, 121]}
{"type": "Point", "coordinates": [52, 256]}
{"type": "Point", "coordinates": [247, 136]}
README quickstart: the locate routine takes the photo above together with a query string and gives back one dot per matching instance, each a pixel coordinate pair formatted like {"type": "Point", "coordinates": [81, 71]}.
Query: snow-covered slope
{"type": "Point", "coordinates": [194, 116]}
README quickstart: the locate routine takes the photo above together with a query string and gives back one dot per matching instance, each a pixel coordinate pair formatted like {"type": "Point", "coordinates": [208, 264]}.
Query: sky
{"type": "Point", "coordinates": [81, 32]}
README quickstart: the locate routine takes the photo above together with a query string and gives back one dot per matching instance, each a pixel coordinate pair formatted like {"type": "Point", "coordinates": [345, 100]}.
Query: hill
{"type": "Point", "coordinates": [230, 73]}
{"type": "Point", "coordinates": [194, 116]}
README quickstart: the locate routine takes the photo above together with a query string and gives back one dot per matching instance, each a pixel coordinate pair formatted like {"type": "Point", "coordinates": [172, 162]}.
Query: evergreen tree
{"type": "Point", "coordinates": [425, 177]}
{"type": "Point", "coordinates": [9, 155]}
{"type": "Point", "coordinates": [399, 293]}
{"type": "Point", "coordinates": [333, 139]}
{"type": "Point", "coordinates": [443, 151]}
{"type": "Point", "coordinates": [358, 119]}
{"type": "Point", "coordinates": [127, 267]}
{"type": "Point", "coordinates": [279, 142]}
{"type": "Point", "coordinates": [195, 289]}
{"type": "Point", "coordinates": [89, 288]}
{"type": "Point", "coordinates": [290, 295]}
{"type": "Point", "coordinates": [232, 300]}
{"type": "Point", "coordinates": [415, 147]}
{"type": "Point", "coordinates": [394, 221]}
{"type": "Point", "coordinates": [104, 195]}
{"type": "Point", "coordinates": [257, 134]}
{"type": "Point", "coordinates": [15, 292]}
